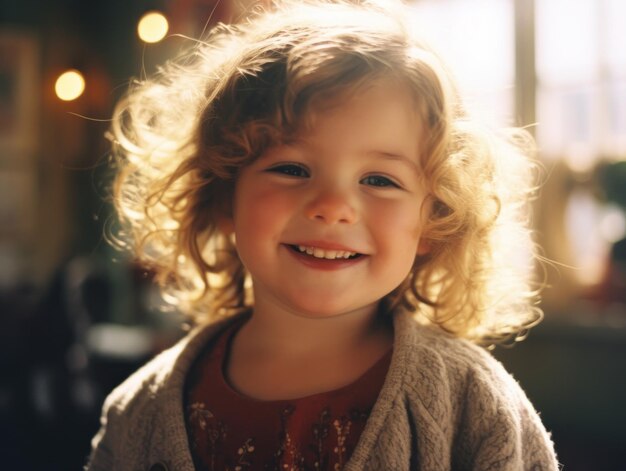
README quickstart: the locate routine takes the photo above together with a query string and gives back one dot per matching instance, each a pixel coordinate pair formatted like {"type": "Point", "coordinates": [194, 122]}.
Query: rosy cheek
{"type": "Point", "coordinates": [262, 207]}
{"type": "Point", "coordinates": [272, 200]}
{"type": "Point", "coordinates": [402, 217]}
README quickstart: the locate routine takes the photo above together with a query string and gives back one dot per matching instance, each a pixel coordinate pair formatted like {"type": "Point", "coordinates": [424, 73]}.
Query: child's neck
{"type": "Point", "coordinates": [317, 355]}
{"type": "Point", "coordinates": [272, 331]}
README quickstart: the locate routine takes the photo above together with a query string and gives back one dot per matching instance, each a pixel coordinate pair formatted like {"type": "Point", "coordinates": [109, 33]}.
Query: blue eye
{"type": "Point", "coordinates": [291, 170]}
{"type": "Point", "coordinates": [379, 181]}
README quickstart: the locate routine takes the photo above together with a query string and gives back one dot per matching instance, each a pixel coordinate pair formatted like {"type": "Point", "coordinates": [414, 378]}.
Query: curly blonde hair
{"type": "Point", "coordinates": [181, 137]}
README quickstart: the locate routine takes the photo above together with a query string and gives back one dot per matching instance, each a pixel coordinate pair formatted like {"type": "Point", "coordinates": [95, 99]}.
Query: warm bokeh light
{"type": "Point", "coordinates": [152, 27]}
{"type": "Point", "coordinates": [70, 85]}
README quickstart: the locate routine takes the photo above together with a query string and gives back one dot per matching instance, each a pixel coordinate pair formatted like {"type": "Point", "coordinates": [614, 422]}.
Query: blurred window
{"type": "Point", "coordinates": [581, 112]}
{"type": "Point", "coordinates": [581, 80]}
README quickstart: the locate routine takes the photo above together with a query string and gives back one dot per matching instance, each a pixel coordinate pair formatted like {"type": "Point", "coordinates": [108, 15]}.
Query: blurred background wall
{"type": "Point", "coordinates": [77, 317]}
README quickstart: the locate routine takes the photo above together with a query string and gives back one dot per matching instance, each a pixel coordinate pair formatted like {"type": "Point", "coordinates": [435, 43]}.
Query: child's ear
{"type": "Point", "coordinates": [224, 216]}
{"type": "Point", "coordinates": [423, 247]}
{"type": "Point", "coordinates": [226, 225]}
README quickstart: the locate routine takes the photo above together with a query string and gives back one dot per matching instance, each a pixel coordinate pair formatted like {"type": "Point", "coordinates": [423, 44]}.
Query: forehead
{"type": "Point", "coordinates": [379, 116]}
{"type": "Point", "coordinates": [381, 100]}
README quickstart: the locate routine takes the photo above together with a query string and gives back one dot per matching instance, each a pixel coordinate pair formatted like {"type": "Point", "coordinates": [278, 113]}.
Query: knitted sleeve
{"type": "Point", "coordinates": [499, 428]}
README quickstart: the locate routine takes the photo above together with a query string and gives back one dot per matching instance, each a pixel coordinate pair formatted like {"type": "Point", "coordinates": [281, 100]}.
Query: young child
{"type": "Point", "coordinates": [311, 191]}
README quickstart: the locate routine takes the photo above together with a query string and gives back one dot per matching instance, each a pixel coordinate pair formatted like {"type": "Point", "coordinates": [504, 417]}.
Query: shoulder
{"type": "Point", "coordinates": [468, 393]}
{"type": "Point", "coordinates": [149, 400]}
{"type": "Point", "coordinates": [431, 350]}
{"type": "Point", "coordinates": [452, 377]}
{"type": "Point", "coordinates": [147, 380]}
{"type": "Point", "coordinates": [168, 369]}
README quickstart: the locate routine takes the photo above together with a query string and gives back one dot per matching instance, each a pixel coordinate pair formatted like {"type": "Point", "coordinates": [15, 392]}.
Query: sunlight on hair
{"type": "Point", "coordinates": [217, 280]}
{"type": "Point", "coordinates": [152, 27]}
{"type": "Point", "coordinates": [69, 85]}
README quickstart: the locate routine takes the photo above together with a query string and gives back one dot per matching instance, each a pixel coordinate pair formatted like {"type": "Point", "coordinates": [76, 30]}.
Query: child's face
{"type": "Point", "coordinates": [350, 185]}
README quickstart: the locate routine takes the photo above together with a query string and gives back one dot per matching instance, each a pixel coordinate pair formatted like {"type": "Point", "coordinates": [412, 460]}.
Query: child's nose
{"type": "Point", "coordinates": [331, 207]}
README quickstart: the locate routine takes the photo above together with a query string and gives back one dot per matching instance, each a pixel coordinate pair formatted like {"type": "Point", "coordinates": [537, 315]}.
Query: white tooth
{"type": "Point", "coordinates": [322, 253]}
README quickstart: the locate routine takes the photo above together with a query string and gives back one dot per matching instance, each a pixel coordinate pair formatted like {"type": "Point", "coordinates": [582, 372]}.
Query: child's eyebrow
{"type": "Point", "coordinates": [395, 156]}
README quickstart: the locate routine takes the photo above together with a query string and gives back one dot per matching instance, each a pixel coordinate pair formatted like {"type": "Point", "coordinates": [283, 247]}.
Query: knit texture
{"type": "Point", "coordinates": [446, 404]}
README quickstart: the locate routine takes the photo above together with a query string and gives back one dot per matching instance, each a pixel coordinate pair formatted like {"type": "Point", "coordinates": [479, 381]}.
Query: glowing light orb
{"type": "Point", "coordinates": [69, 85]}
{"type": "Point", "coordinates": [152, 27]}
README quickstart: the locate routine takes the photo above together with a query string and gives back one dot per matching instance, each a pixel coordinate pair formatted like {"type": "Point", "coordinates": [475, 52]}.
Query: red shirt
{"type": "Point", "coordinates": [229, 431]}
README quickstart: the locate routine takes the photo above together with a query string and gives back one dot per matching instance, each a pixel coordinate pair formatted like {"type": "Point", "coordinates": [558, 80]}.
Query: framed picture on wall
{"type": "Point", "coordinates": [18, 100]}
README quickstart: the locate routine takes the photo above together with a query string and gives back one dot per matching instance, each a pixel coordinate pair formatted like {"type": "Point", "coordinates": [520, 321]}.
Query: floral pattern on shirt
{"type": "Point", "coordinates": [288, 456]}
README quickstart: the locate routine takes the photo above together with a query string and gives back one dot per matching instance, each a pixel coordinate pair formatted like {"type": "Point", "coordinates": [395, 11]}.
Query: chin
{"type": "Point", "coordinates": [325, 311]}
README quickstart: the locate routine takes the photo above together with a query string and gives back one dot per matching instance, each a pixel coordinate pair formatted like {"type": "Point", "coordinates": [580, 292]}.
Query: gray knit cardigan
{"type": "Point", "coordinates": [445, 405]}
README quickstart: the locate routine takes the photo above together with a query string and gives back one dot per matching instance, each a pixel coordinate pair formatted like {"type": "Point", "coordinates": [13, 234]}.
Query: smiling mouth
{"type": "Point", "coordinates": [325, 253]}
